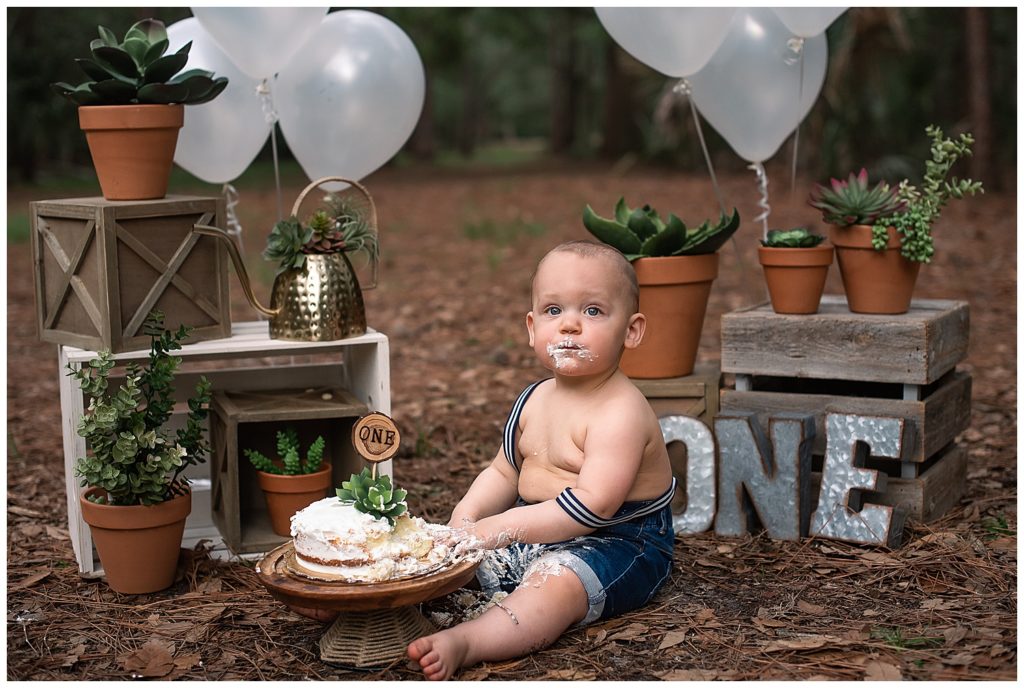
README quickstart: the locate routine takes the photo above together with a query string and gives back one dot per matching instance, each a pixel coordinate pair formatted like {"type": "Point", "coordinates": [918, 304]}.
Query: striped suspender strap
{"type": "Point", "coordinates": [512, 424]}
{"type": "Point", "coordinates": [585, 517]}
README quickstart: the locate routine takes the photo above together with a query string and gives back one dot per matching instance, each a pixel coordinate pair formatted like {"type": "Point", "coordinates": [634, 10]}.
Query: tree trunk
{"type": "Point", "coordinates": [564, 90]}
{"type": "Point", "coordinates": [423, 144]}
{"type": "Point", "coordinates": [469, 119]}
{"type": "Point", "coordinates": [618, 105]}
{"type": "Point", "coordinates": [979, 94]}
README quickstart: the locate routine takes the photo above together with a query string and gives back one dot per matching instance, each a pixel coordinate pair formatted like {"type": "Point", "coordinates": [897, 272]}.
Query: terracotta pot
{"type": "Point", "coordinates": [674, 296]}
{"type": "Point", "coordinates": [138, 545]}
{"type": "Point", "coordinates": [132, 147]}
{"type": "Point", "coordinates": [795, 277]}
{"type": "Point", "coordinates": [879, 282]}
{"type": "Point", "coordinates": [287, 494]}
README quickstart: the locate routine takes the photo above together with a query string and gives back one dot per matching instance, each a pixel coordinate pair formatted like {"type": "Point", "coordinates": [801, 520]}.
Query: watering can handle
{"type": "Point", "coordinates": [243, 276]}
{"type": "Point", "coordinates": [369, 199]}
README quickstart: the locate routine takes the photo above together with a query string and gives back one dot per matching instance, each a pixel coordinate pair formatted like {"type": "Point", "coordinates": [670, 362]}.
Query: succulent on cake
{"type": "Point", "coordinates": [341, 225]}
{"type": "Point", "coordinates": [289, 460]}
{"type": "Point", "coordinates": [374, 496]}
{"type": "Point", "coordinates": [641, 233]}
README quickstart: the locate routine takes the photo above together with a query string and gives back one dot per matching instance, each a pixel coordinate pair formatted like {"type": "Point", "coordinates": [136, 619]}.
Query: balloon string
{"type": "Point", "coordinates": [684, 88]}
{"type": "Point", "coordinates": [797, 45]}
{"type": "Point", "coordinates": [270, 116]}
{"type": "Point", "coordinates": [762, 188]}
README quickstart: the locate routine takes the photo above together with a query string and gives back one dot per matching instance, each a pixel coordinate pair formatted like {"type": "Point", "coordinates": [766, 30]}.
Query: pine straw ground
{"type": "Point", "coordinates": [460, 249]}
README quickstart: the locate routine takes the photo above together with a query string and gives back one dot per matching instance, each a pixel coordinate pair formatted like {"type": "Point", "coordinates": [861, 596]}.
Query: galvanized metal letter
{"type": "Point", "coordinates": [700, 471]}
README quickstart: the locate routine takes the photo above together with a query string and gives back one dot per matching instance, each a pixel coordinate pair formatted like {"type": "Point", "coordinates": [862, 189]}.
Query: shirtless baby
{"type": "Point", "coordinates": [576, 504]}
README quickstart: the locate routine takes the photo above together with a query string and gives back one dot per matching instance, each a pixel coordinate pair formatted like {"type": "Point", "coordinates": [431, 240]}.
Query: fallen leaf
{"type": "Point", "coordinates": [211, 585]}
{"type": "Point", "coordinates": [72, 657]}
{"type": "Point", "coordinates": [879, 558]}
{"type": "Point", "coordinates": [882, 671]}
{"type": "Point", "coordinates": [809, 642]}
{"type": "Point", "coordinates": [671, 639]}
{"type": "Point", "coordinates": [569, 675]}
{"type": "Point", "coordinates": [712, 564]}
{"type": "Point", "coordinates": [870, 612]}
{"type": "Point", "coordinates": [155, 659]}
{"type": "Point", "coordinates": [630, 632]}
{"type": "Point", "coordinates": [960, 659]}
{"type": "Point", "coordinates": [705, 614]}
{"type": "Point", "coordinates": [768, 623]}
{"type": "Point", "coordinates": [1007, 543]}
{"type": "Point", "coordinates": [22, 511]}
{"type": "Point", "coordinates": [31, 580]}
{"type": "Point", "coordinates": [809, 607]}
{"type": "Point", "coordinates": [954, 635]}
{"type": "Point", "coordinates": [597, 635]}
{"type": "Point", "coordinates": [688, 675]}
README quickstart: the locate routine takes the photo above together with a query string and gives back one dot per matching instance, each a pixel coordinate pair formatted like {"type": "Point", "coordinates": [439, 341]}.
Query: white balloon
{"type": "Point", "coordinates": [220, 138]}
{"type": "Point", "coordinates": [677, 41]}
{"type": "Point", "coordinates": [260, 40]}
{"type": "Point", "coordinates": [348, 102]}
{"type": "Point", "coordinates": [808, 21]}
{"type": "Point", "coordinates": [750, 91]}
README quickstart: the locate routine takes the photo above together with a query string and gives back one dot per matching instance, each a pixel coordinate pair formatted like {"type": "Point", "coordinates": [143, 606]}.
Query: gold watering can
{"type": "Point", "coordinates": [319, 302]}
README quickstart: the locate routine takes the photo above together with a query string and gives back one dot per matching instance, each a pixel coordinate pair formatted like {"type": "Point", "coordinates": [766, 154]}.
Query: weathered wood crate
{"type": "Point", "coordinates": [247, 362]}
{"type": "Point", "coordinates": [695, 395]}
{"type": "Point", "coordinates": [835, 361]}
{"type": "Point", "coordinates": [101, 266]}
{"type": "Point", "coordinates": [250, 420]}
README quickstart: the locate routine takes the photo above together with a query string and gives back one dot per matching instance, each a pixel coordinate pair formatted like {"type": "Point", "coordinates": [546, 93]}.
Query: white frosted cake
{"type": "Point", "coordinates": [335, 540]}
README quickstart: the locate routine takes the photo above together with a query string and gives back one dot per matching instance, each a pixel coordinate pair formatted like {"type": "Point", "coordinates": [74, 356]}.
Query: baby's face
{"type": "Point", "coordinates": [581, 316]}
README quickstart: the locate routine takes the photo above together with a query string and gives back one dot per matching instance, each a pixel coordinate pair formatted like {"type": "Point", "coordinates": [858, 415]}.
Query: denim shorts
{"type": "Point", "coordinates": [620, 566]}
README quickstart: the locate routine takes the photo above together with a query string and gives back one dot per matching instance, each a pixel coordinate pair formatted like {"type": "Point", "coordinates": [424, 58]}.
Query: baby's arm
{"type": "Point", "coordinates": [612, 453]}
{"type": "Point", "coordinates": [493, 491]}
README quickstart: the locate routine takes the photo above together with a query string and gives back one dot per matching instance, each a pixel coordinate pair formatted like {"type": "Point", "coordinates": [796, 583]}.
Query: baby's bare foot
{"type": "Point", "coordinates": [439, 655]}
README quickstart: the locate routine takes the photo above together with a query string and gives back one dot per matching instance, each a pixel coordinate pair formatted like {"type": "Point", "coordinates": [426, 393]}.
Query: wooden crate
{"type": "Point", "coordinates": [914, 348]}
{"type": "Point", "coordinates": [247, 361]}
{"type": "Point", "coordinates": [898, 366]}
{"type": "Point", "coordinates": [695, 395]}
{"type": "Point", "coordinates": [250, 420]}
{"type": "Point", "coordinates": [101, 266]}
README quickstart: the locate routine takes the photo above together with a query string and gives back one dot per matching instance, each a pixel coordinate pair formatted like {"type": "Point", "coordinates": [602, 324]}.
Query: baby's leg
{"type": "Point", "coordinates": [542, 607]}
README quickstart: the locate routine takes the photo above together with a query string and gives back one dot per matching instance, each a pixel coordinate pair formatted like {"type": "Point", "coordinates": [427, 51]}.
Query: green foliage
{"type": "Point", "coordinates": [996, 526]}
{"type": "Point", "coordinates": [640, 232]}
{"type": "Point", "coordinates": [343, 225]}
{"type": "Point", "coordinates": [798, 237]}
{"type": "Point", "coordinates": [502, 233]}
{"type": "Point", "coordinates": [289, 461]}
{"type": "Point", "coordinates": [137, 71]}
{"type": "Point", "coordinates": [894, 637]}
{"type": "Point", "coordinates": [852, 202]}
{"type": "Point", "coordinates": [131, 454]}
{"type": "Point", "coordinates": [923, 207]}
{"type": "Point", "coordinates": [374, 496]}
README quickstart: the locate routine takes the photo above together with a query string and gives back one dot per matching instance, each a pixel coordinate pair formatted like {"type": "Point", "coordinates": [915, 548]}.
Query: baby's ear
{"type": "Point", "coordinates": [529, 325]}
{"type": "Point", "coordinates": [635, 330]}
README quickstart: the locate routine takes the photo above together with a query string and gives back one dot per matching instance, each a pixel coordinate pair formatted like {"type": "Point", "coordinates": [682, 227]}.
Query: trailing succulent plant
{"type": "Point", "coordinates": [923, 206]}
{"type": "Point", "coordinates": [374, 496]}
{"type": "Point", "coordinates": [798, 237]}
{"type": "Point", "coordinates": [341, 226]}
{"type": "Point", "coordinates": [137, 71]}
{"type": "Point", "coordinates": [640, 232]}
{"type": "Point", "coordinates": [289, 462]}
{"type": "Point", "coordinates": [132, 456]}
{"type": "Point", "coordinates": [853, 202]}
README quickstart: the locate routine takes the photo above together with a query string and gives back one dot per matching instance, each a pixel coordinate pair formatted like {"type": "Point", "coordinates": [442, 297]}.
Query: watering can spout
{"type": "Point", "coordinates": [236, 258]}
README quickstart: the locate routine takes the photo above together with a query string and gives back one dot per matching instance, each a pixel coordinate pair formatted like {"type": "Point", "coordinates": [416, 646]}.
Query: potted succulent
{"type": "Point", "coordinates": [675, 267]}
{"type": "Point", "coordinates": [132, 107]}
{"type": "Point", "coordinates": [882, 235]}
{"type": "Point", "coordinates": [290, 483]}
{"type": "Point", "coordinates": [795, 267]}
{"type": "Point", "coordinates": [137, 498]}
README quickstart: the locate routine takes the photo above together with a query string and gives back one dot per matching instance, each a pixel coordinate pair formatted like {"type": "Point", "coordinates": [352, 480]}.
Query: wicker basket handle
{"type": "Point", "coordinates": [369, 199]}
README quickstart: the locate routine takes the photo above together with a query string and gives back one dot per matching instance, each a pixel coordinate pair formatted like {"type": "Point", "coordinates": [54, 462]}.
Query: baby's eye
{"type": "Point", "coordinates": [553, 310]}
{"type": "Point", "coordinates": [592, 311]}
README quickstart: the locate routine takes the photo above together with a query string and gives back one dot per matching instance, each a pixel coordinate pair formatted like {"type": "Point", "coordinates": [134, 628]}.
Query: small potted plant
{"type": "Point", "coordinates": [289, 482]}
{"type": "Point", "coordinates": [137, 498]}
{"type": "Point", "coordinates": [675, 267]}
{"type": "Point", "coordinates": [132, 107]}
{"type": "Point", "coordinates": [882, 235]}
{"type": "Point", "coordinates": [795, 267]}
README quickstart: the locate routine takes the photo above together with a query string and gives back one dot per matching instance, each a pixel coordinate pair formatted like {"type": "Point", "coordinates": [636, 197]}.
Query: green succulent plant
{"type": "Point", "coordinates": [374, 496]}
{"type": "Point", "coordinates": [137, 71]}
{"type": "Point", "coordinates": [341, 226]}
{"type": "Point", "coordinates": [132, 455]}
{"type": "Point", "coordinates": [798, 237]}
{"type": "Point", "coordinates": [289, 462]}
{"type": "Point", "coordinates": [923, 206]}
{"type": "Point", "coordinates": [285, 243]}
{"type": "Point", "coordinates": [640, 232]}
{"type": "Point", "coordinates": [854, 202]}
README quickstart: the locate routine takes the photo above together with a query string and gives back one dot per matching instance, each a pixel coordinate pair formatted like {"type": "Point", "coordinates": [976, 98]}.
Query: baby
{"type": "Point", "coordinates": [576, 504]}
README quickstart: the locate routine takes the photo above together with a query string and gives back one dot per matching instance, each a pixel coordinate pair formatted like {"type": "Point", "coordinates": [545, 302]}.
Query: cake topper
{"type": "Point", "coordinates": [376, 438]}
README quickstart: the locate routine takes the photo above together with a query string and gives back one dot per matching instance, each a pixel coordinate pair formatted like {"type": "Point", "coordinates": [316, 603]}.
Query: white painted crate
{"type": "Point", "coordinates": [248, 360]}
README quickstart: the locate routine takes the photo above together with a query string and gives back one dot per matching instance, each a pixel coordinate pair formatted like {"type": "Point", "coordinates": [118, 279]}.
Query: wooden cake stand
{"type": "Point", "coordinates": [377, 621]}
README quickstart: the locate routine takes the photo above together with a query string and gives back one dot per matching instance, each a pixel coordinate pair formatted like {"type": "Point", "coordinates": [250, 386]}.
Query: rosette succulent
{"type": "Point", "coordinates": [341, 226]}
{"type": "Point", "coordinates": [640, 232]}
{"type": "Point", "coordinates": [137, 71]}
{"type": "Point", "coordinates": [853, 202]}
{"type": "Point", "coordinates": [374, 496]}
